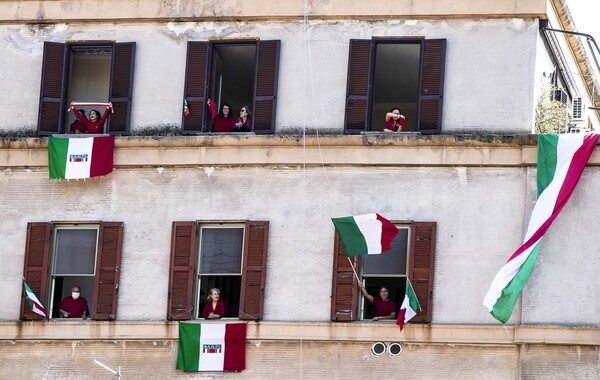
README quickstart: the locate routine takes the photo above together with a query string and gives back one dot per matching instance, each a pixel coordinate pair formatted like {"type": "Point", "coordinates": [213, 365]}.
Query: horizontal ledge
{"type": "Point", "coordinates": [311, 331]}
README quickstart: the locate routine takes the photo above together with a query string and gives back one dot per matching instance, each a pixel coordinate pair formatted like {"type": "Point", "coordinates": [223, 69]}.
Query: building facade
{"type": "Point", "coordinates": [187, 209]}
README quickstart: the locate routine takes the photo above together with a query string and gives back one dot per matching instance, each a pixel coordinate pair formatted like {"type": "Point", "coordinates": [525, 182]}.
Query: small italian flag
{"type": "Point", "coordinates": [561, 160]}
{"type": "Point", "coordinates": [368, 234]}
{"type": "Point", "coordinates": [34, 304]}
{"type": "Point", "coordinates": [409, 307]}
{"type": "Point", "coordinates": [216, 347]}
{"type": "Point", "coordinates": [78, 158]}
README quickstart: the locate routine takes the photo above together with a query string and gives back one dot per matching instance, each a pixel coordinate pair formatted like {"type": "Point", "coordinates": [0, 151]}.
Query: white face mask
{"type": "Point", "coordinates": [75, 295]}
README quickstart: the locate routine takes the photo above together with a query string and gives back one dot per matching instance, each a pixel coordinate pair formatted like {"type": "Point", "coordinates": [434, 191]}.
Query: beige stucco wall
{"type": "Point", "coordinates": [27, 11]}
{"type": "Point", "coordinates": [488, 85]}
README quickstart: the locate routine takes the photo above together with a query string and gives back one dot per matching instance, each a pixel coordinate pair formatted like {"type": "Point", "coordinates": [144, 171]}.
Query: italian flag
{"type": "Point", "coordinates": [409, 307]}
{"type": "Point", "coordinates": [34, 304]}
{"type": "Point", "coordinates": [561, 160]}
{"type": "Point", "coordinates": [365, 234]}
{"type": "Point", "coordinates": [216, 347]}
{"type": "Point", "coordinates": [77, 158]}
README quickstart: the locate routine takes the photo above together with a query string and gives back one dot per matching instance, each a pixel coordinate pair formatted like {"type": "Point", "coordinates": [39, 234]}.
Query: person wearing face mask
{"type": "Point", "coordinates": [74, 306]}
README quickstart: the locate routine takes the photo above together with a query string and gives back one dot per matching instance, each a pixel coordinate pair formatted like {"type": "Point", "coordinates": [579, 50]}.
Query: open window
{"type": "Point", "coordinates": [384, 73]}
{"type": "Point", "coordinates": [411, 256]}
{"type": "Point", "coordinates": [60, 256]}
{"type": "Point", "coordinates": [230, 256]}
{"type": "Point", "coordinates": [237, 72]}
{"type": "Point", "coordinates": [95, 71]}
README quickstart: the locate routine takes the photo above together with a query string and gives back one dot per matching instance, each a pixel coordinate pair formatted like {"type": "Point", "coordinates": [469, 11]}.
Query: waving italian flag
{"type": "Point", "coordinates": [409, 307]}
{"type": "Point", "coordinates": [78, 158]}
{"type": "Point", "coordinates": [561, 160]}
{"type": "Point", "coordinates": [34, 303]}
{"type": "Point", "coordinates": [365, 234]}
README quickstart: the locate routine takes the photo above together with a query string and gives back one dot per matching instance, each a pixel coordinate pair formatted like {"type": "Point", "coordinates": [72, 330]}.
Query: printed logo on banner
{"type": "Point", "coordinates": [78, 157]}
{"type": "Point", "coordinates": [211, 348]}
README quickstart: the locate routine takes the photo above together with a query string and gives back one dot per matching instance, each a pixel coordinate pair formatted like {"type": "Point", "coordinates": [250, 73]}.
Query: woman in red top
{"type": "Point", "coordinates": [244, 123]}
{"type": "Point", "coordinates": [95, 124]}
{"type": "Point", "coordinates": [385, 308]}
{"type": "Point", "coordinates": [223, 120]}
{"type": "Point", "coordinates": [214, 307]}
{"type": "Point", "coordinates": [394, 121]}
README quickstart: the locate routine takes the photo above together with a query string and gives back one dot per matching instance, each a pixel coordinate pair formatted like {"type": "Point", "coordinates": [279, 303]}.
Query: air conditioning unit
{"type": "Point", "coordinates": [578, 110]}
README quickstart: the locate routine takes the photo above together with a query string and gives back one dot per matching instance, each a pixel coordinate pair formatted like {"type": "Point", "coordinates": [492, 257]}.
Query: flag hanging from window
{"type": "Point", "coordinates": [34, 304]}
{"type": "Point", "coordinates": [216, 347]}
{"type": "Point", "coordinates": [368, 234]}
{"type": "Point", "coordinates": [79, 158]}
{"type": "Point", "coordinates": [561, 160]}
{"type": "Point", "coordinates": [409, 307]}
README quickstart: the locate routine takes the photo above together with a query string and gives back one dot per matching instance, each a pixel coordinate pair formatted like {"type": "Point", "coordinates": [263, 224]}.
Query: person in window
{"type": "Point", "coordinates": [96, 123]}
{"type": "Point", "coordinates": [214, 307]}
{"type": "Point", "coordinates": [74, 306]}
{"type": "Point", "coordinates": [394, 120]}
{"type": "Point", "coordinates": [244, 123]}
{"type": "Point", "coordinates": [223, 120]}
{"type": "Point", "coordinates": [78, 126]}
{"type": "Point", "coordinates": [385, 308]}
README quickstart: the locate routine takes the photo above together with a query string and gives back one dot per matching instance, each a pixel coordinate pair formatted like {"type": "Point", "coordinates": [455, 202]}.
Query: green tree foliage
{"type": "Point", "coordinates": [551, 115]}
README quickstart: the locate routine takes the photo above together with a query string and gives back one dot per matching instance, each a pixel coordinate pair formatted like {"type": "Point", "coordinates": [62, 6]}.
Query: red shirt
{"type": "Point", "coordinates": [75, 307]}
{"type": "Point", "coordinates": [92, 126]}
{"type": "Point", "coordinates": [383, 308]}
{"type": "Point", "coordinates": [395, 125]}
{"type": "Point", "coordinates": [222, 124]}
{"type": "Point", "coordinates": [208, 308]}
{"type": "Point", "coordinates": [78, 127]}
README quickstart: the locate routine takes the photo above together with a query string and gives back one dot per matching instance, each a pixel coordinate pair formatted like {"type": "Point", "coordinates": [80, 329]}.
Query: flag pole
{"type": "Point", "coordinates": [353, 270]}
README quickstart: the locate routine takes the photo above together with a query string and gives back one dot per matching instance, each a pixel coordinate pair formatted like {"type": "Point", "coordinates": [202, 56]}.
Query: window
{"type": "Point", "coordinates": [61, 256]}
{"type": "Point", "coordinates": [395, 72]}
{"type": "Point", "coordinates": [229, 256]}
{"type": "Point", "coordinates": [412, 257]}
{"type": "Point", "coordinates": [387, 269]}
{"type": "Point", "coordinates": [238, 72]}
{"type": "Point", "coordinates": [95, 71]}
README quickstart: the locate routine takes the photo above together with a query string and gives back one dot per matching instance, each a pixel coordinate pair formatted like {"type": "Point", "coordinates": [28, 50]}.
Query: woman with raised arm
{"type": "Point", "coordinates": [223, 120]}
{"type": "Point", "coordinates": [95, 124]}
{"type": "Point", "coordinates": [385, 308]}
{"type": "Point", "coordinates": [394, 120]}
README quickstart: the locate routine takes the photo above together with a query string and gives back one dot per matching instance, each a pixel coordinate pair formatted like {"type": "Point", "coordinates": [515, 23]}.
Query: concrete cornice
{"type": "Point", "coordinates": [311, 331]}
{"type": "Point", "coordinates": [378, 149]}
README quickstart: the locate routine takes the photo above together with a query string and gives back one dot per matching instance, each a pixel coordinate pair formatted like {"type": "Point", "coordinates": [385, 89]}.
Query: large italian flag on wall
{"type": "Point", "coordinates": [561, 160]}
{"type": "Point", "coordinates": [216, 347]}
{"type": "Point", "coordinates": [79, 158]}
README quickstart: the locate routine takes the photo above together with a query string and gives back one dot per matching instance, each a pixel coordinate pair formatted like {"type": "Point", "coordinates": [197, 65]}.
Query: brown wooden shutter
{"type": "Point", "coordinates": [53, 87]}
{"type": "Point", "coordinates": [35, 271]}
{"type": "Point", "coordinates": [121, 87]}
{"type": "Point", "coordinates": [344, 284]}
{"type": "Point", "coordinates": [108, 262]}
{"type": "Point", "coordinates": [265, 86]}
{"type": "Point", "coordinates": [420, 271]}
{"type": "Point", "coordinates": [254, 270]}
{"type": "Point", "coordinates": [195, 91]}
{"type": "Point", "coordinates": [181, 271]}
{"type": "Point", "coordinates": [358, 90]}
{"type": "Point", "coordinates": [432, 86]}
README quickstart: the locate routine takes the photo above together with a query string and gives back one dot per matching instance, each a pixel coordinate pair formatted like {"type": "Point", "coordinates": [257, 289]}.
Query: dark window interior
{"type": "Point", "coordinates": [395, 82]}
{"type": "Point", "coordinates": [232, 76]}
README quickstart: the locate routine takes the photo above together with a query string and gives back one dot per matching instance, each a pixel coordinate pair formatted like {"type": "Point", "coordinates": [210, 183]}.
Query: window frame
{"type": "Point", "coordinates": [360, 77]}
{"type": "Point", "coordinates": [198, 72]}
{"type": "Point", "coordinates": [183, 269]}
{"type": "Point", "coordinates": [55, 72]}
{"type": "Point", "coordinates": [38, 260]}
{"type": "Point", "coordinates": [420, 272]}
